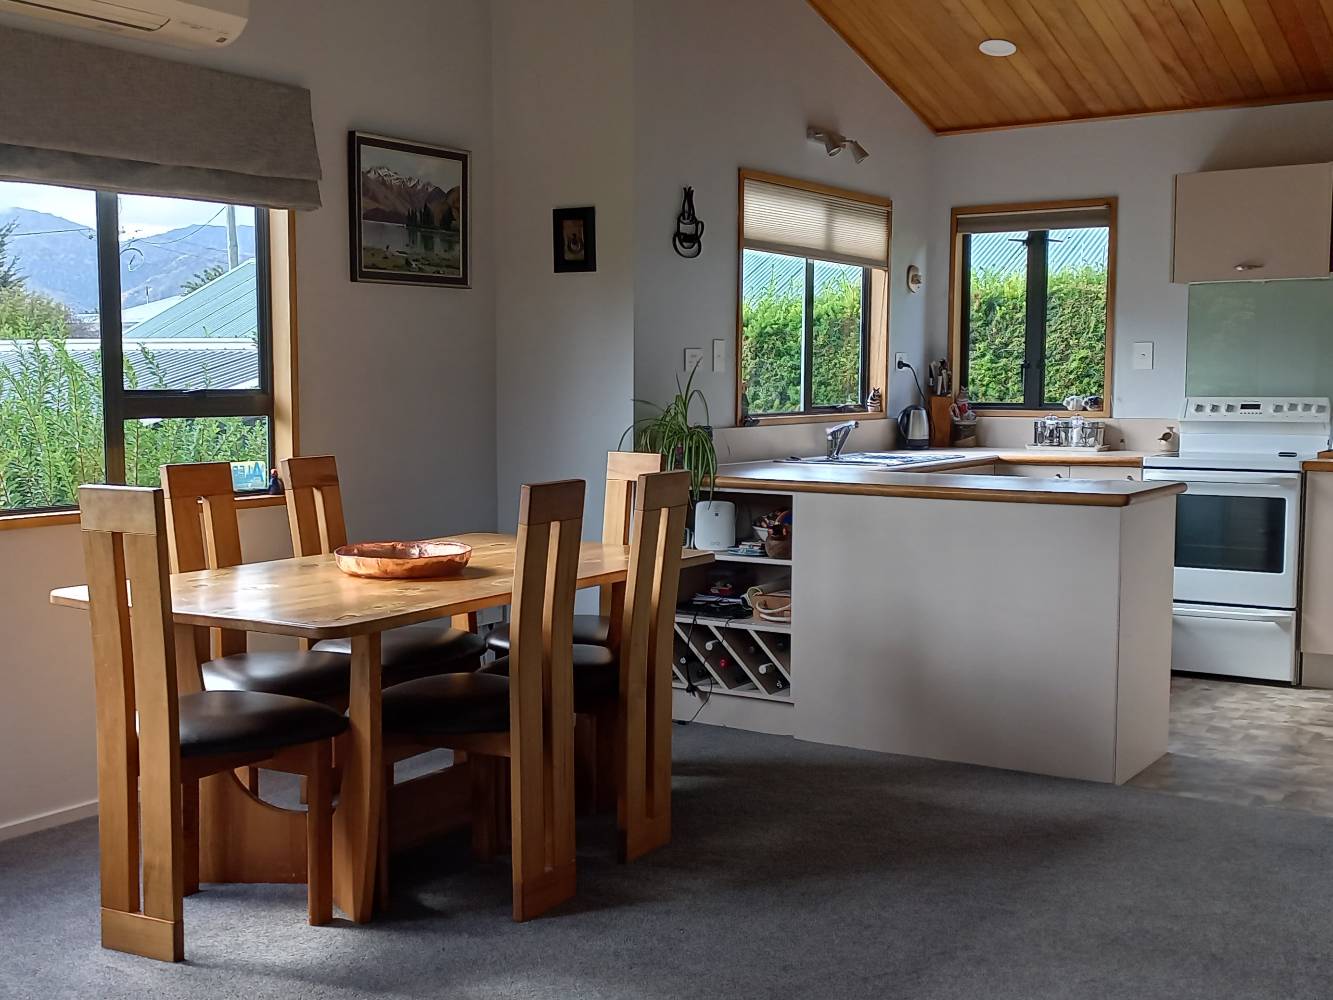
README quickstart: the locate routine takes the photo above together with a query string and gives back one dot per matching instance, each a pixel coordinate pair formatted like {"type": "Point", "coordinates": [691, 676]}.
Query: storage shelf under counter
{"type": "Point", "coordinates": [1015, 623]}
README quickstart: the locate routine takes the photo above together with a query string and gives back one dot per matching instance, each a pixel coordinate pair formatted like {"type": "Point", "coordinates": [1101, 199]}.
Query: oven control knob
{"type": "Point", "coordinates": [1214, 408]}
{"type": "Point", "coordinates": [1231, 407]}
{"type": "Point", "coordinates": [1198, 407]}
{"type": "Point", "coordinates": [1307, 407]}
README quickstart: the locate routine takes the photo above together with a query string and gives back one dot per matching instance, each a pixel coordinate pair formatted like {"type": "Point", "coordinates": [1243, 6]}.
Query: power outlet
{"type": "Point", "coordinates": [719, 355]}
{"type": "Point", "coordinates": [694, 357]}
{"type": "Point", "coordinates": [899, 360]}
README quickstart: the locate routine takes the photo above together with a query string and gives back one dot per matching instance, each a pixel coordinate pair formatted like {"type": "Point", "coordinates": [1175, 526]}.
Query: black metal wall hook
{"type": "Point", "coordinates": [688, 239]}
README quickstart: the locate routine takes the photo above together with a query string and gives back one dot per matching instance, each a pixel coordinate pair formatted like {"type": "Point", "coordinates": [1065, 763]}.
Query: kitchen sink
{"type": "Point", "coordinates": [875, 459]}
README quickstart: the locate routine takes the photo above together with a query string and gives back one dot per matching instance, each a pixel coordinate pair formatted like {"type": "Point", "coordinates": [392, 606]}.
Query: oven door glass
{"type": "Point", "coordinates": [1245, 534]}
{"type": "Point", "coordinates": [1237, 537]}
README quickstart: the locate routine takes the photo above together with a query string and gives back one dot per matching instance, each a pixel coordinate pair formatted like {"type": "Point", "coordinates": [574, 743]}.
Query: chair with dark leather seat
{"type": "Point", "coordinates": [522, 724]}
{"type": "Point", "coordinates": [157, 738]}
{"type": "Point", "coordinates": [315, 519]}
{"type": "Point", "coordinates": [623, 469]}
{"type": "Point", "coordinates": [205, 534]}
{"type": "Point", "coordinates": [596, 675]}
{"type": "Point", "coordinates": [636, 676]}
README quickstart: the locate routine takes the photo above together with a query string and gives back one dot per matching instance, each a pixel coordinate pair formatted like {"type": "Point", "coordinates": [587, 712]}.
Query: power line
{"type": "Point", "coordinates": [52, 232]}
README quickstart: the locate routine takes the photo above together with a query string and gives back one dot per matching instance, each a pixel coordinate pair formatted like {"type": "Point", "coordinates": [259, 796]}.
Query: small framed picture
{"type": "Point", "coordinates": [574, 232]}
{"type": "Point", "coordinates": [409, 211]}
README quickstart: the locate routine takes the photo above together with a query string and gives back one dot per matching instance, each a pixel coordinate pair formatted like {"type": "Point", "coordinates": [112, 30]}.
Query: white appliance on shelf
{"type": "Point", "coordinates": [194, 24]}
{"type": "Point", "coordinates": [1238, 531]}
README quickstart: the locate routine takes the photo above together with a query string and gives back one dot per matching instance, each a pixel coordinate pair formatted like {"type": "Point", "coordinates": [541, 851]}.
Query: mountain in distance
{"type": "Point", "coordinates": [388, 196]}
{"type": "Point", "coordinates": [60, 259]}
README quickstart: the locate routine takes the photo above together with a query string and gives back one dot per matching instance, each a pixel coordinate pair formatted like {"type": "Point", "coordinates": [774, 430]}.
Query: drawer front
{"type": "Point", "coordinates": [1033, 471]}
{"type": "Point", "coordinates": [1256, 644]}
{"type": "Point", "coordinates": [1106, 472]}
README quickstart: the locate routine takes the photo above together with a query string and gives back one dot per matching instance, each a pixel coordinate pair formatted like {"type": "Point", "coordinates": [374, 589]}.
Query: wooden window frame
{"type": "Point", "coordinates": [279, 228]}
{"type": "Point", "coordinates": [957, 265]}
{"type": "Point", "coordinates": [874, 315]}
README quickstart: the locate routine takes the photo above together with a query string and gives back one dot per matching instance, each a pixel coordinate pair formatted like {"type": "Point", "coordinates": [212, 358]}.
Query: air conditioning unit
{"type": "Point", "coordinates": [195, 24]}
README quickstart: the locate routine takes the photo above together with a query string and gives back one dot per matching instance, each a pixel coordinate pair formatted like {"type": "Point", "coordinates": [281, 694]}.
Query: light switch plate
{"type": "Point", "coordinates": [719, 355]}
{"type": "Point", "coordinates": [1143, 356]}
{"type": "Point", "coordinates": [693, 357]}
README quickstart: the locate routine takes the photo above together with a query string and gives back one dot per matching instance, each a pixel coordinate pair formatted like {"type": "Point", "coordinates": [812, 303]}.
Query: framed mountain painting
{"type": "Point", "coordinates": [409, 211]}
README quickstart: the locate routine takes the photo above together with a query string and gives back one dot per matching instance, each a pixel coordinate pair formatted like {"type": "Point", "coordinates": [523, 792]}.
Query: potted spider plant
{"type": "Point", "coordinates": [683, 444]}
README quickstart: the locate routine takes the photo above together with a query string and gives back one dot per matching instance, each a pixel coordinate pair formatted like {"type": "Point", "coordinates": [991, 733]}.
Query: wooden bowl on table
{"type": "Point", "coordinates": [403, 560]}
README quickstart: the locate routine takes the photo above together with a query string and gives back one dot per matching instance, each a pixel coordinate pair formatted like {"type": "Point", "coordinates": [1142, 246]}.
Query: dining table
{"type": "Point", "coordinates": [243, 838]}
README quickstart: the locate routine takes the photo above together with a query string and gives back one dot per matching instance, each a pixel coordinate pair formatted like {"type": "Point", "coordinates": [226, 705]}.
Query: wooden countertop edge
{"type": "Point", "coordinates": [1115, 459]}
{"type": "Point", "coordinates": [1039, 496]}
{"type": "Point", "coordinates": [1324, 463]}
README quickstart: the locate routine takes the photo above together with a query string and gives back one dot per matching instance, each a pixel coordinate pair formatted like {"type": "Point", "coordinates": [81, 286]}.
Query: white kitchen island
{"type": "Point", "coordinates": [1014, 623]}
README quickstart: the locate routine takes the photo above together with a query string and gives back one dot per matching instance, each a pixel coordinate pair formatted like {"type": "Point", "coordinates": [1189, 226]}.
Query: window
{"type": "Point", "coordinates": [1031, 294]}
{"type": "Point", "coordinates": [170, 295]}
{"type": "Point", "coordinates": [812, 327]}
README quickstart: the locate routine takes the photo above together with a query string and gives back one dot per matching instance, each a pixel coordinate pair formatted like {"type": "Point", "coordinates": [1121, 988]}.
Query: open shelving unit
{"type": "Point", "coordinates": [735, 667]}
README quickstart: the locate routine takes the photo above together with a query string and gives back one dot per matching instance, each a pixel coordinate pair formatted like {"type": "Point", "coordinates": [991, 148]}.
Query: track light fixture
{"type": "Point", "coordinates": [835, 142]}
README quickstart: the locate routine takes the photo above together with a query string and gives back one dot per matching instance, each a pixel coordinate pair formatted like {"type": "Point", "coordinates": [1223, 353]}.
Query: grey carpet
{"type": "Point", "coordinates": [796, 871]}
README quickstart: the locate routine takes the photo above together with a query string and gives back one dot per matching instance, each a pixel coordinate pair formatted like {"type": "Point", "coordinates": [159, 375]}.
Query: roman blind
{"type": "Point", "coordinates": [826, 225]}
{"type": "Point", "coordinates": [1081, 217]}
{"type": "Point", "coordinates": [91, 116]}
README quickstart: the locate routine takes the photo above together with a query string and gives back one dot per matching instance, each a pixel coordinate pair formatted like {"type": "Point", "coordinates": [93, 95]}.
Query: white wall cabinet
{"type": "Point", "coordinates": [1260, 224]}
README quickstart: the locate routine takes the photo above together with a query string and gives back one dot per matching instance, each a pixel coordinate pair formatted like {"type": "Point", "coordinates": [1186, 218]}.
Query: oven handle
{"type": "Point", "coordinates": [1247, 478]}
{"type": "Point", "coordinates": [1235, 614]}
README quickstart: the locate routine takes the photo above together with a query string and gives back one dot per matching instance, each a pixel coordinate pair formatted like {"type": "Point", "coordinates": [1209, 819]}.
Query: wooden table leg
{"type": "Point", "coordinates": [357, 819]}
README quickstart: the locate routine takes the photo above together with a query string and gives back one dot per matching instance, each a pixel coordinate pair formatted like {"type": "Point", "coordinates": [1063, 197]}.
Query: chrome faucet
{"type": "Point", "coordinates": [836, 437]}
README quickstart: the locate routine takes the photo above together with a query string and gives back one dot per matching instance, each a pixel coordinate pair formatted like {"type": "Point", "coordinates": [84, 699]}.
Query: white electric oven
{"type": "Point", "coordinates": [1238, 536]}
{"type": "Point", "coordinates": [1238, 532]}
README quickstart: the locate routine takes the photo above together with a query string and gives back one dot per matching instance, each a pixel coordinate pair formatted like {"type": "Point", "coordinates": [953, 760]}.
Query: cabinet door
{"type": "Point", "coordinates": [1317, 598]}
{"type": "Point", "coordinates": [1034, 471]}
{"type": "Point", "coordinates": [1273, 222]}
{"type": "Point", "coordinates": [1106, 472]}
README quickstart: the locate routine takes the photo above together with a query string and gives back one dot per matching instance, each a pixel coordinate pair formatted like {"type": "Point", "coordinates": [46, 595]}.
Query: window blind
{"type": "Point", "coordinates": [826, 226]}
{"type": "Point", "coordinates": [1084, 217]}
{"type": "Point", "coordinates": [90, 116]}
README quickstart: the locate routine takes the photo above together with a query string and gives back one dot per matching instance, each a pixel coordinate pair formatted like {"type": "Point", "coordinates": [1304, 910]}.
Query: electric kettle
{"type": "Point", "coordinates": [914, 427]}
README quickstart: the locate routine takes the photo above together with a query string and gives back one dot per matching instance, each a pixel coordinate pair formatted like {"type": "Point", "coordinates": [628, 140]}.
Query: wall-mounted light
{"type": "Point", "coordinates": [835, 142]}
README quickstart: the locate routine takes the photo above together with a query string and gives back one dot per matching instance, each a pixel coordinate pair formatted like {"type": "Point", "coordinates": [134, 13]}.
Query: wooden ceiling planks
{"type": "Point", "coordinates": [1086, 59]}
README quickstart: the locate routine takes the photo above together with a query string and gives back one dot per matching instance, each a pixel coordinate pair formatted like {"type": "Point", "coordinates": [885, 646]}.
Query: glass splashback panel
{"type": "Point", "coordinates": [1260, 338]}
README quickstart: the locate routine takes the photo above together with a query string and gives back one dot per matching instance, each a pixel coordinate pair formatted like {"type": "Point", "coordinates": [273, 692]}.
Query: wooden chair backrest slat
{"type": "Point", "coordinates": [623, 469]}
{"type": "Point", "coordinates": [134, 660]}
{"type": "Point", "coordinates": [656, 540]}
{"type": "Point", "coordinates": [203, 529]}
{"type": "Point", "coordinates": [314, 504]}
{"type": "Point", "coordinates": [541, 693]}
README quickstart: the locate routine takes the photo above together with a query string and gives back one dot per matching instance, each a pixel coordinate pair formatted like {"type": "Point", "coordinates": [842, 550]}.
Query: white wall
{"type": "Point", "coordinates": [720, 86]}
{"type": "Point", "coordinates": [564, 133]}
{"type": "Point", "coordinates": [396, 381]}
{"type": "Point", "coordinates": [1135, 159]}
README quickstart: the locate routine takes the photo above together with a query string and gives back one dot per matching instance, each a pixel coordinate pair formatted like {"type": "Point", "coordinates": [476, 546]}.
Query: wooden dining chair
{"type": "Point", "coordinates": [525, 719]}
{"type": "Point", "coordinates": [154, 743]}
{"type": "Point", "coordinates": [204, 533]}
{"type": "Point", "coordinates": [635, 680]}
{"type": "Point", "coordinates": [623, 469]}
{"type": "Point", "coordinates": [315, 518]}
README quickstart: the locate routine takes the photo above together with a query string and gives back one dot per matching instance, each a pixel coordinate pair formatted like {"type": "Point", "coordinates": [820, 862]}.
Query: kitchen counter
{"type": "Point", "coordinates": [1324, 463]}
{"type": "Point", "coordinates": [934, 481]}
{"type": "Point", "coordinates": [1030, 630]}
